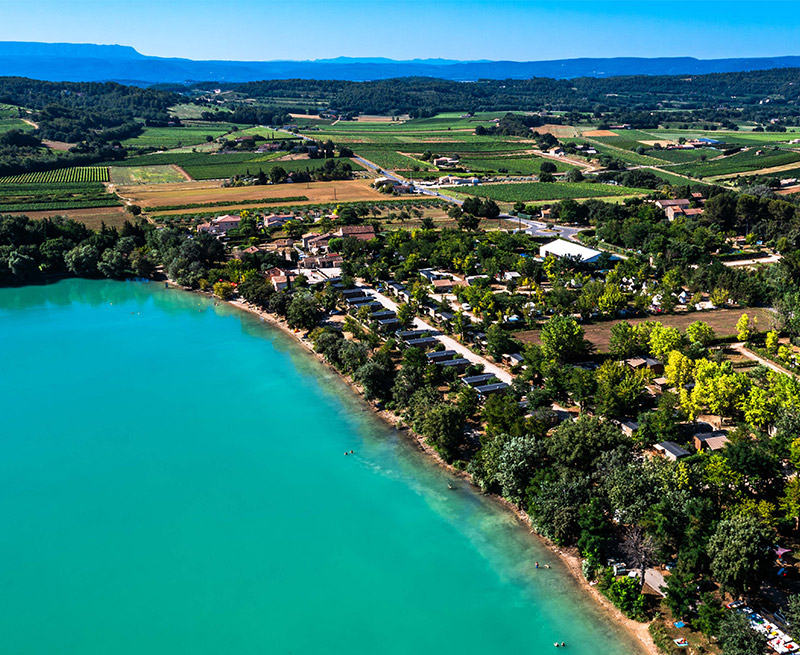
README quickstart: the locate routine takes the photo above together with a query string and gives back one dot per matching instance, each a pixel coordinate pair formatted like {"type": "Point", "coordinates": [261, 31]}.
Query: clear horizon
{"type": "Point", "coordinates": [517, 30]}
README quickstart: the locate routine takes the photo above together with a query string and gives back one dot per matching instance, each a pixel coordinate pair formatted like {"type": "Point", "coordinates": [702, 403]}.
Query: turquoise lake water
{"type": "Point", "coordinates": [172, 481]}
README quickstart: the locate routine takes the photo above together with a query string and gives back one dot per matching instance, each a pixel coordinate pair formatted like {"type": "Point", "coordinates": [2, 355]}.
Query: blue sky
{"type": "Point", "coordinates": [521, 30]}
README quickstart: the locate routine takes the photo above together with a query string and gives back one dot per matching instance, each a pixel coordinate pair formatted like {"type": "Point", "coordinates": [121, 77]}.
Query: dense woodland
{"type": "Point", "coordinates": [426, 96]}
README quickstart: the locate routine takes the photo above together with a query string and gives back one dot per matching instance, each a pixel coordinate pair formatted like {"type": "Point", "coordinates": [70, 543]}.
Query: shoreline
{"type": "Point", "coordinates": [638, 632]}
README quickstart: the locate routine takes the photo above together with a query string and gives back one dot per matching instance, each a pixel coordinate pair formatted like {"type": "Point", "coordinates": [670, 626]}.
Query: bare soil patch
{"type": "Point", "coordinates": [183, 193]}
{"type": "Point", "coordinates": [722, 321]}
{"type": "Point", "coordinates": [600, 133]}
{"type": "Point", "coordinates": [661, 143]}
{"type": "Point", "coordinates": [375, 119]}
{"type": "Point", "coordinates": [58, 145]}
{"type": "Point", "coordinates": [557, 130]}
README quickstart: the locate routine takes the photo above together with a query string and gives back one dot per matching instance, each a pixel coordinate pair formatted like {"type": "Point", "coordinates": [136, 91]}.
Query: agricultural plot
{"type": "Point", "coordinates": [7, 124]}
{"type": "Point", "coordinates": [685, 156]}
{"type": "Point", "coordinates": [744, 161]}
{"type": "Point", "coordinates": [626, 139]}
{"type": "Point", "coordinates": [175, 137]}
{"type": "Point", "coordinates": [392, 160]}
{"type": "Point", "coordinates": [188, 110]}
{"type": "Point", "coordinates": [533, 191]}
{"type": "Point", "coordinates": [93, 218]}
{"type": "Point", "coordinates": [628, 156]}
{"type": "Point", "coordinates": [675, 180]}
{"type": "Point", "coordinates": [528, 165]}
{"type": "Point", "coordinates": [40, 197]}
{"type": "Point", "coordinates": [61, 175]}
{"type": "Point", "coordinates": [160, 174]}
{"type": "Point", "coordinates": [734, 138]}
{"type": "Point", "coordinates": [235, 198]}
{"type": "Point", "coordinates": [217, 171]}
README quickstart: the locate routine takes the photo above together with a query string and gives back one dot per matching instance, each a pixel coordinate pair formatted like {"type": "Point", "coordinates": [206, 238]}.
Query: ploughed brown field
{"type": "Point", "coordinates": [599, 133]}
{"type": "Point", "coordinates": [92, 217]}
{"type": "Point", "coordinates": [722, 321]}
{"type": "Point", "coordinates": [183, 193]}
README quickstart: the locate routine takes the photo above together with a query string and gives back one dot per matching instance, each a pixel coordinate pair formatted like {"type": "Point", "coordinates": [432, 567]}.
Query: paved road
{"type": "Point", "coordinates": [740, 348]}
{"type": "Point", "coordinates": [449, 343]}
{"type": "Point", "coordinates": [752, 262]}
{"type": "Point", "coordinates": [540, 229]}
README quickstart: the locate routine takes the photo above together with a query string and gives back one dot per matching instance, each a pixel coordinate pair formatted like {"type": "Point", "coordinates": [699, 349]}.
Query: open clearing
{"type": "Point", "coordinates": [557, 130]}
{"type": "Point", "coordinates": [92, 218]}
{"type": "Point", "coordinates": [161, 195]}
{"type": "Point", "coordinates": [599, 133]}
{"type": "Point", "coordinates": [722, 321]}
{"type": "Point", "coordinates": [163, 174]}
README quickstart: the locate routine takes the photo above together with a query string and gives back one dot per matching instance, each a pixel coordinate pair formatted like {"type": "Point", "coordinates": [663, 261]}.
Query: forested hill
{"type": "Point", "coordinates": [90, 63]}
{"type": "Point", "coordinates": [425, 96]}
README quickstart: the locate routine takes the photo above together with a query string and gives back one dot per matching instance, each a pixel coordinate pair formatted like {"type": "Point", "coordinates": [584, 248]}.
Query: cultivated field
{"type": "Point", "coordinates": [526, 192]}
{"type": "Point", "coordinates": [92, 218]}
{"type": "Point", "coordinates": [52, 196]}
{"type": "Point", "coordinates": [175, 137]}
{"type": "Point", "coordinates": [163, 174]}
{"type": "Point", "coordinates": [197, 192]}
{"type": "Point", "coordinates": [76, 174]}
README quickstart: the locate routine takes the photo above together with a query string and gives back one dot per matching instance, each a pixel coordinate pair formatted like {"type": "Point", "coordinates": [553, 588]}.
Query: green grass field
{"type": "Point", "coordinates": [215, 171]}
{"type": "Point", "coordinates": [392, 160]}
{"type": "Point", "coordinates": [745, 161]}
{"type": "Point", "coordinates": [684, 156]}
{"type": "Point", "coordinates": [75, 174]}
{"type": "Point", "coordinates": [176, 137]}
{"type": "Point", "coordinates": [161, 174]}
{"type": "Point", "coordinates": [9, 123]}
{"type": "Point", "coordinates": [529, 192]}
{"type": "Point", "coordinates": [527, 165]}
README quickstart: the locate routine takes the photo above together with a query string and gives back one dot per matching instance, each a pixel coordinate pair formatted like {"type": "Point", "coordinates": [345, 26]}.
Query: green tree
{"type": "Point", "coordinates": [743, 329]}
{"type": "Point", "coordinates": [303, 311]}
{"type": "Point", "coordinates": [738, 638]}
{"type": "Point", "coordinates": [739, 552]}
{"type": "Point", "coordinates": [520, 458]}
{"type": "Point", "coordinates": [498, 341]}
{"type": "Point", "coordinates": [576, 445]}
{"type": "Point", "coordinates": [376, 380]}
{"type": "Point", "coordinates": [82, 260]}
{"type": "Point", "coordinates": [444, 427]}
{"type": "Point", "coordinates": [223, 290]}
{"type": "Point", "coordinates": [624, 341]}
{"type": "Point", "coordinates": [790, 502]}
{"type": "Point", "coordinates": [563, 339]}
{"type": "Point", "coordinates": [710, 615]}
{"type": "Point", "coordinates": [680, 591]}
{"type": "Point", "coordinates": [699, 332]}
{"type": "Point", "coordinates": [663, 340]}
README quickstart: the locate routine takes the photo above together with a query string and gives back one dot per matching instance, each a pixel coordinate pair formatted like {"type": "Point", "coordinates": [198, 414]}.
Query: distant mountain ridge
{"type": "Point", "coordinates": [83, 62]}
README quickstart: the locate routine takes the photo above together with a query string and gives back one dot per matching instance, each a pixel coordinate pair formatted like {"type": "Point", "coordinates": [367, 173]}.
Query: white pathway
{"type": "Point", "coordinates": [449, 343]}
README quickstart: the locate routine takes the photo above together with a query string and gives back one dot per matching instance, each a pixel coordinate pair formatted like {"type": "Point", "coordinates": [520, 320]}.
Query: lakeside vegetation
{"type": "Point", "coordinates": [708, 520]}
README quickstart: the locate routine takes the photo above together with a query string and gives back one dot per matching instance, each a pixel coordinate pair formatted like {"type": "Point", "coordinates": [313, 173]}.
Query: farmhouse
{"type": "Point", "coordinates": [445, 161]}
{"type": "Point", "coordinates": [360, 232]}
{"type": "Point", "coordinates": [325, 261]}
{"type": "Point", "coordinates": [681, 203]}
{"type": "Point", "coordinates": [560, 248]}
{"type": "Point", "coordinates": [220, 225]}
{"type": "Point", "coordinates": [275, 220]}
